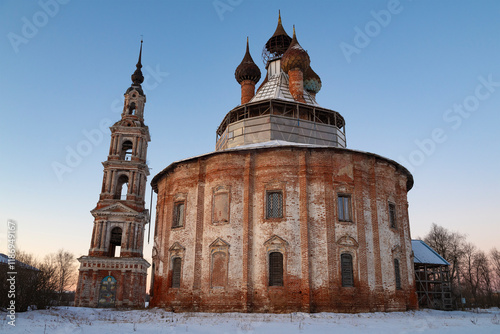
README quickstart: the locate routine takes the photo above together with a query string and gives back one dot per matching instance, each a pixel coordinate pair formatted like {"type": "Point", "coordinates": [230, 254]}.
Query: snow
{"type": "Point", "coordinates": [272, 143]}
{"type": "Point", "coordinates": [92, 320]}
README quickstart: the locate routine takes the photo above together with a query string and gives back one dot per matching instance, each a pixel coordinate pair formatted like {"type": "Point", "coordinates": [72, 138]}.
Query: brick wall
{"type": "Point", "coordinates": [296, 84]}
{"type": "Point", "coordinates": [247, 90]}
{"type": "Point", "coordinates": [130, 275]}
{"type": "Point", "coordinates": [309, 235]}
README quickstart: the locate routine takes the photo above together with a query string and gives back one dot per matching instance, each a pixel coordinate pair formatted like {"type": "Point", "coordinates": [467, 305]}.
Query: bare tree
{"type": "Point", "coordinates": [35, 282]}
{"type": "Point", "coordinates": [65, 272]}
{"type": "Point", "coordinates": [46, 283]}
{"type": "Point", "coordinates": [495, 266]}
{"type": "Point", "coordinates": [25, 277]}
{"type": "Point", "coordinates": [477, 275]}
{"type": "Point", "coordinates": [450, 245]}
{"type": "Point", "coordinates": [40, 282]}
{"type": "Point", "coordinates": [473, 274]}
{"type": "Point", "coordinates": [468, 270]}
{"type": "Point", "coordinates": [26, 258]}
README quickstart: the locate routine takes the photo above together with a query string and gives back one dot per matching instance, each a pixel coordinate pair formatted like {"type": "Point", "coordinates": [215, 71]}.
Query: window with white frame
{"type": "Point", "coordinates": [344, 208]}
{"type": "Point", "coordinates": [178, 214]}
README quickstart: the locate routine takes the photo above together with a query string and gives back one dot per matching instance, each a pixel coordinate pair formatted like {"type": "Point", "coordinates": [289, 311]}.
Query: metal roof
{"type": "Point", "coordinates": [5, 259]}
{"type": "Point", "coordinates": [424, 254]}
{"type": "Point", "coordinates": [277, 87]}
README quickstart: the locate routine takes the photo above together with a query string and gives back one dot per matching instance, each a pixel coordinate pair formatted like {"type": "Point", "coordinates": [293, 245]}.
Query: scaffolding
{"type": "Point", "coordinates": [432, 277]}
{"type": "Point", "coordinates": [433, 286]}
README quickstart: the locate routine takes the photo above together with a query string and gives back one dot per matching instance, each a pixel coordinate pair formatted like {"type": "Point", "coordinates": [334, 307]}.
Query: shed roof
{"type": "Point", "coordinates": [424, 254]}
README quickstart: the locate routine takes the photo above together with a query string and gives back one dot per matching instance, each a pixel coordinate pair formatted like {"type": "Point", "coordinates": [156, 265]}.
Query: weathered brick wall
{"type": "Point", "coordinates": [130, 275]}
{"type": "Point", "coordinates": [296, 84]}
{"type": "Point", "coordinates": [310, 235]}
{"type": "Point", "coordinates": [247, 91]}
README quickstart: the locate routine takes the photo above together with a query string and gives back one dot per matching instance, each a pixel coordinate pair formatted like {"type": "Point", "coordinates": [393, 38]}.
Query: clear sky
{"type": "Point", "coordinates": [417, 82]}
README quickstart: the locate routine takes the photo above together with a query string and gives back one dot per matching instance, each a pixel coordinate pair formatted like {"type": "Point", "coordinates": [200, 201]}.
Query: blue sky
{"type": "Point", "coordinates": [417, 82]}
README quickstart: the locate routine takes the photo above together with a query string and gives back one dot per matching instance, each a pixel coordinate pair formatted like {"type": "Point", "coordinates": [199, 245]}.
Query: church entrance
{"type": "Point", "coordinates": [107, 292]}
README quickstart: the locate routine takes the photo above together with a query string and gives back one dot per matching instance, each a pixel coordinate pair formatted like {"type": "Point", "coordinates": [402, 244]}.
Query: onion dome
{"type": "Point", "coordinates": [277, 44]}
{"type": "Point", "coordinates": [295, 57]}
{"type": "Point", "coordinates": [137, 77]}
{"type": "Point", "coordinates": [312, 82]}
{"type": "Point", "coordinates": [247, 70]}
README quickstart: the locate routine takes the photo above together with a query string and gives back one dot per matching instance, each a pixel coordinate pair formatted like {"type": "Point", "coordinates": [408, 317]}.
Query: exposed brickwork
{"type": "Point", "coordinates": [129, 273]}
{"type": "Point", "coordinates": [120, 216]}
{"type": "Point", "coordinates": [247, 90]}
{"type": "Point", "coordinates": [309, 236]}
{"type": "Point", "coordinates": [296, 84]}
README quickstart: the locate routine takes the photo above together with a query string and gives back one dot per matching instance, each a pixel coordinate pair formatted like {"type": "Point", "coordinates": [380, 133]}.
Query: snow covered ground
{"type": "Point", "coordinates": [103, 321]}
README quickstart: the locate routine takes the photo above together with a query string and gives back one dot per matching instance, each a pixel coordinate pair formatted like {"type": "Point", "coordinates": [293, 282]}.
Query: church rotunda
{"type": "Point", "coordinates": [282, 217]}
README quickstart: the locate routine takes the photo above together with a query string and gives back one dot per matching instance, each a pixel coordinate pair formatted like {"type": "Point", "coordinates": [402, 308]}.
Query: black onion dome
{"type": "Point", "coordinates": [312, 81]}
{"type": "Point", "coordinates": [276, 45]}
{"type": "Point", "coordinates": [295, 57]}
{"type": "Point", "coordinates": [247, 70]}
{"type": "Point", "coordinates": [137, 77]}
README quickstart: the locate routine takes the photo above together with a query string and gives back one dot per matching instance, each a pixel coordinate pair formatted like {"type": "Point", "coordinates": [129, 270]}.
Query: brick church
{"type": "Point", "coordinates": [281, 217]}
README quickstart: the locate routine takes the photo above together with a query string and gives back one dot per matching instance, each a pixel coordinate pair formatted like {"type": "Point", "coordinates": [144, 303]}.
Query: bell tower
{"type": "Point", "coordinates": [114, 273]}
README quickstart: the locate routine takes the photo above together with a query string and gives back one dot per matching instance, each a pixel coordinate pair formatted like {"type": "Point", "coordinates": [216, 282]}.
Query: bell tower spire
{"type": "Point", "coordinates": [137, 77]}
{"type": "Point", "coordinates": [114, 273]}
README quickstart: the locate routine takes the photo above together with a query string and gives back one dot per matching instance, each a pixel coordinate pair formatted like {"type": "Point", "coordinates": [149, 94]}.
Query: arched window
{"type": "Point", "coordinates": [397, 274]}
{"type": "Point", "coordinates": [176, 272]}
{"type": "Point", "coordinates": [122, 187]}
{"type": "Point", "coordinates": [346, 270]}
{"type": "Point", "coordinates": [275, 269]}
{"type": "Point", "coordinates": [126, 151]}
{"type": "Point", "coordinates": [115, 242]}
{"type": "Point", "coordinates": [131, 108]}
